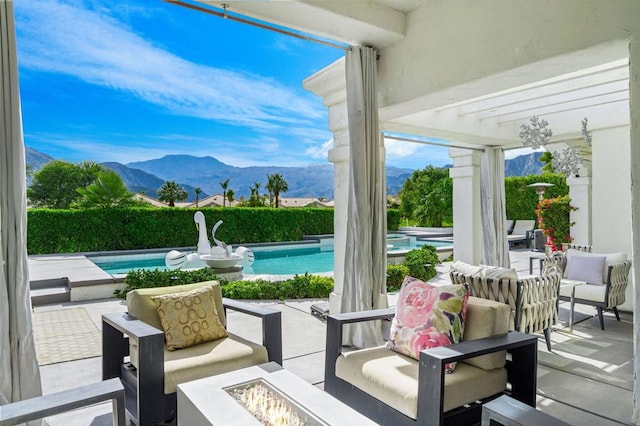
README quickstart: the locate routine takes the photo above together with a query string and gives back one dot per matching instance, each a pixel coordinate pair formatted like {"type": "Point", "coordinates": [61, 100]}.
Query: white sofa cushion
{"type": "Point", "coordinates": [393, 379]}
{"type": "Point", "coordinates": [594, 293]}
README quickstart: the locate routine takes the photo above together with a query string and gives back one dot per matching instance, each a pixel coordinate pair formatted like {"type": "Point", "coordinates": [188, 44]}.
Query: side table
{"type": "Point", "coordinates": [572, 284]}
{"type": "Point", "coordinates": [540, 257]}
{"type": "Point", "coordinates": [507, 411]}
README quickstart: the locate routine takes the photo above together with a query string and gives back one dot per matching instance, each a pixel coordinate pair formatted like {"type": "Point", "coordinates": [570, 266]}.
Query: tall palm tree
{"type": "Point", "coordinates": [230, 194]}
{"type": "Point", "coordinates": [225, 185]}
{"type": "Point", "coordinates": [170, 192]}
{"type": "Point", "coordinates": [198, 191]}
{"type": "Point", "coordinates": [276, 185]}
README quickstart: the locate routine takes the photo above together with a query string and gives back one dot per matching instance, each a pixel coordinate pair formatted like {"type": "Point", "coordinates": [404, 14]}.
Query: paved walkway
{"type": "Point", "coordinates": [586, 380]}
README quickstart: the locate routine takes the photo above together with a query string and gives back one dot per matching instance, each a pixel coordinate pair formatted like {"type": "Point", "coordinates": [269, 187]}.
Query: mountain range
{"type": "Point", "coordinates": [207, 173]}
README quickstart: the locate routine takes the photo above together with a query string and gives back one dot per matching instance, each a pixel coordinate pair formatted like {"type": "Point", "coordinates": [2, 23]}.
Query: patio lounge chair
{"type": "Point", "coordinates": [394, 389]}
{"type": "Point", "coordinates": [606, 290]}
{"type": "Point", "coordinates": [522, 232]}
{"type": "Point", "coordinates": [533, 300]}
{"type": "Point", "coordinates": [154, 371]}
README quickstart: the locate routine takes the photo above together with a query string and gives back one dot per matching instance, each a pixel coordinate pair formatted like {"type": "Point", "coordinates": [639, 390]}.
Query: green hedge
{"type": "Point", "coordinates": [522, 200]}
{"type": "Point", "coordinates": [70, 231]}
{"type": "Point", "coordinates": [299, 287]}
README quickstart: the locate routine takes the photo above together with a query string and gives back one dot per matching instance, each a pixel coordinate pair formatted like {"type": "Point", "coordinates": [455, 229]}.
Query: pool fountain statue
{"type": "Point", "coordinates": [219, 256]}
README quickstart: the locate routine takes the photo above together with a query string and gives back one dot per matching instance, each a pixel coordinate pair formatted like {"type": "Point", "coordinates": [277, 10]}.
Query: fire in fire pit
{"type": "Point", "coordinates": [270, 406]}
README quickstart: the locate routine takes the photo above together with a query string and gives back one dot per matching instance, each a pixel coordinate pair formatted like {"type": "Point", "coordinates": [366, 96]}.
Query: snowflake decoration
{"type": "Point", "coordinates": [585, 132]}
{"type": "Point", "coordinates": [535, 135]}
{"type": "Point", "coordinates": [568, 161]}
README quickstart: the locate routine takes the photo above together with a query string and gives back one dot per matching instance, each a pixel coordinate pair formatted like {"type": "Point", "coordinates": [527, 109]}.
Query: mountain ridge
{"type": "Point", "coordinates": [315, 180]}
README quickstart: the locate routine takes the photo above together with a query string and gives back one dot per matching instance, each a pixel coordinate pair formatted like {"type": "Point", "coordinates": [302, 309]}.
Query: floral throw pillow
{"type": "Point", "coordinates": [428, 316]}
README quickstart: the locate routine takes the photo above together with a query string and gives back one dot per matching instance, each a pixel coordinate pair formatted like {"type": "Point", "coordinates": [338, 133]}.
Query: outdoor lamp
{"type": "Point", "coordinates": [540, 188]}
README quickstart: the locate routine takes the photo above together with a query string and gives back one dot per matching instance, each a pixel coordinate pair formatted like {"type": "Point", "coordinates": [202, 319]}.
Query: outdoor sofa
{"type": "Point", "coordinates": [153, 371]}
{"type": "Point", "coordinates": [533, 300]}
{"type": "Point", "coordinates": [394, 389]}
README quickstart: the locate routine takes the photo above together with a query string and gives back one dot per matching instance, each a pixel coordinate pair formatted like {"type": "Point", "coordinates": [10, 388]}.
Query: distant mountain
{"type": "Point", "coordinates": [140, 181]}
{"type": "Point", "coordinates": [36, 159]}
{"type": "Point", "coordinates": [523, 165]}
{"type": "Point", "coordinates": [208, 172]}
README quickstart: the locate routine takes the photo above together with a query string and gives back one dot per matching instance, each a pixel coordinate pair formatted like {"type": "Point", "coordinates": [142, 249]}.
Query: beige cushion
{"type": "Point", "coordinates": [486, 318]}
{"type": "Point", "coordinates": [141, 306]}
{"type": "Point", "coordinates": [393, 379]}
{"type": "Point", "coordinates": [210, 358]}
{"type": "Point", "coordinates": [595, 293]}
{"type": "Point", "coordinates": [189, 318]}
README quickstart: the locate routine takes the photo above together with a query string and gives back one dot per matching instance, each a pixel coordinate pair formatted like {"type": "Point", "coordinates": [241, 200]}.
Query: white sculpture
{"type": "Point", "coordinates": [204, 247]}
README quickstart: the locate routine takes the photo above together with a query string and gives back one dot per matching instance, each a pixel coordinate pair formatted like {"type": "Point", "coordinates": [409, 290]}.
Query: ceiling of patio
{"type": "Point", "coordinates": [592, 83]}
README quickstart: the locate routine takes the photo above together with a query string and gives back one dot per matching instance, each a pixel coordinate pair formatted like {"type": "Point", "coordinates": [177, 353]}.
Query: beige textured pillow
{"type": "Point", "coordinates": [189, 318]}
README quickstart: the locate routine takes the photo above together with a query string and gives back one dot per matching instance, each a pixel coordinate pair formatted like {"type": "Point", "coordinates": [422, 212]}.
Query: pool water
{"type": "Point", "coordinates": [271, 261]}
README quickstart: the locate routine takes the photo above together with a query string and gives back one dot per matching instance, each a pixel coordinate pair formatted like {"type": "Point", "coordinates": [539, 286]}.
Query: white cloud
{"type": "Point", "coordinates": [320, 152]}
{"type": "Point", "coordinates": [513, 153]}
{"type": "Point", "coordinates": [65, 38]}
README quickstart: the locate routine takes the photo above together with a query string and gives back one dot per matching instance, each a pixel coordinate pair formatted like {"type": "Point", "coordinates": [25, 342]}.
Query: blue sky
{"type": "Point", "coordinates": [133, 80]}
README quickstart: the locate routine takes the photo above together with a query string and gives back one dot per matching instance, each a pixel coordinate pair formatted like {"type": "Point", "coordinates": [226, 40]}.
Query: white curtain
{"type": "Point", "coordinates": [19, 373]}
{"type": "Point", "coordinates": [364, 286]}
{"type": "Point", "coordinates": [495, 250]}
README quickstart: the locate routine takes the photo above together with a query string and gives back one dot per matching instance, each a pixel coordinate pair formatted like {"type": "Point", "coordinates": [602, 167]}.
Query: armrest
{"type": "Point", "coordinates": [521, 370]}
{"type": "Point", "coordinates": [335, 324]}
{"type": "Point", "coordinates": [48, 405]}
{"type": "Point", "coordinates": [150, 343]}
{"type": "Point", "coordinates": [130, 326]}
{"type": "Point", "coordinates": [271, 325]}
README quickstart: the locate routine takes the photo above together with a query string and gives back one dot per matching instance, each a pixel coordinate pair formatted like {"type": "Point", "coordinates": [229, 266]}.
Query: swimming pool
{"type": "Point", "coordinates": [271, 260]}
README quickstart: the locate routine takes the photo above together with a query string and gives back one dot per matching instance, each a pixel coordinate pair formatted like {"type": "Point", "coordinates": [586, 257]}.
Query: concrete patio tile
{"type": "Point", "coordinates": [572, 415]}
{"type": "Point", "coordinates": [301, 332]}
{"type": "Point", "coordinates": [308, 367]}
{"type": "Point", "coordinates": [591, 396]}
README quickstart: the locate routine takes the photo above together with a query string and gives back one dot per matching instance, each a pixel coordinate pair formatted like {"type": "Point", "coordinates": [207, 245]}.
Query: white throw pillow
{"type": "Point", "coordinates": [496, 272]}
{"type": "Point", "coordinates": [610, 258]}
{"type": "Point", "coordinates": [465, 268]}
{"type": "Point", "coordinates": [586, 268]}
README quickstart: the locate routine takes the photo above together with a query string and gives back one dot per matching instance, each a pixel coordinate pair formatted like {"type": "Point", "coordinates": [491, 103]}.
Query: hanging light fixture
{"type": "Point", "coordinates": [535, 134]}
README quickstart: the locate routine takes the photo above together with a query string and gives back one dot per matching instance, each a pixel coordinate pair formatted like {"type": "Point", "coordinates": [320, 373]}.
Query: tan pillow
{"type": "Point", "coordinates": [189, 318]}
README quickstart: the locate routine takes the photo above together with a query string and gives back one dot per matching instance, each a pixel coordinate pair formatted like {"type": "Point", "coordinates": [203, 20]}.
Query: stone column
{"type": "Point", "coordinates": [634, 107]}
{"type": "Point", "coordinates": [580, 194]}
{"type": "Point", "coordinates": [467, 224]}
{"type": "Point", "coordinates": [330, 84]}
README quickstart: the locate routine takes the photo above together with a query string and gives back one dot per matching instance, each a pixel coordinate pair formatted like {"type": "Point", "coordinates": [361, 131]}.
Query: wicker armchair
{"type": "Point", "coordinates": [533, 301]}
{"type": "Point", "coordinates": [607, 296]}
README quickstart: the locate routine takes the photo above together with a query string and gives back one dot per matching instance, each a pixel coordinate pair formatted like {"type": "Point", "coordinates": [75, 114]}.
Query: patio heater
{"type": "Point", "coordinates": [538, 238]}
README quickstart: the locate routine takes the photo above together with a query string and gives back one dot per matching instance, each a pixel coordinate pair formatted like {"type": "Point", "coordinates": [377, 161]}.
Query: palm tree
{"type": "Point", "coordinates": [198, 191]}
{"type": "Point", "coordinates": [170, 192]}
{"type": "Point", "coordinates": [107, 190]}
{"type": "Point", "coordinates": [276, 185]}
{"type": "Point", "coordinates": [225, 185]}
{"type": "Point", "coordinates": [230, 194]}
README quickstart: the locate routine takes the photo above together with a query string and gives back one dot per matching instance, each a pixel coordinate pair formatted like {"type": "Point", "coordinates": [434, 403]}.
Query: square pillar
{"type": "Point", "coordinates": [467, 223]}
{"type": "Point", "coordinates": [580, 194]}
{"type": "Point", "coordinates": [634, 154]}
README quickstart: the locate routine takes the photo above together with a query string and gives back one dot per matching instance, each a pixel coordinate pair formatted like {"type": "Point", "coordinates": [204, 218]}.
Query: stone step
{"type": "Point", "coordinates": [50, 295]}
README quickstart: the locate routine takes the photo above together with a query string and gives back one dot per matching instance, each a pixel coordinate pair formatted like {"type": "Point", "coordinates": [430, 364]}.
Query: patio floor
{"type": "Point", "coordinates": [586, 380]}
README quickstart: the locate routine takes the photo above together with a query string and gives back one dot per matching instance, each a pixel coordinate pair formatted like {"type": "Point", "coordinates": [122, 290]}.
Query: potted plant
{"type": "Point", "coordinates": [553, 219]}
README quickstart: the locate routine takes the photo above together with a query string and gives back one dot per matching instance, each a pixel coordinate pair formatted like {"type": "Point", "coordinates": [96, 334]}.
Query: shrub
{"type": "Point", "coordinates": [553, 219]}
{"type": "Point", "coordinates": [521, 199]}
{"type": "Point", "coordinates": [299, 287]}
{"type": "Point", "coordinates": [419, 263]}
{"type": "Point", "coordinates": [395, 276]}
{"type": "Point", "coordinates": [70, 231]}
{"type": "Point", "coordinates": [422, 262]}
